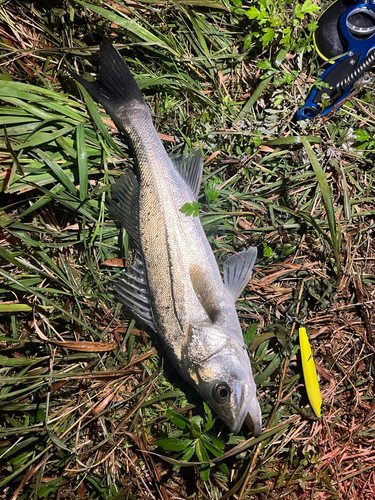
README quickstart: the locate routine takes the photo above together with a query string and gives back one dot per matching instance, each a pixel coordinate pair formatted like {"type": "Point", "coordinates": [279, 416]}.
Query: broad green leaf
{"type": "Point", "coordinates": [200, 450]}
{"type": "Point", "coordinates": [196, 425]}
{"type": "Point", "coordinates": [268, 36]}
{"type": "Point", "coordinates": [251, 333]}
{"type": "Point", "coordinates": [210, 421]}
{"type": "Point", "coordinates": [179, 420]}
{"type": "Point", "coordinates": [254, 13]}
{"type": "Point", "coordinates": [20, 459]}
{"type": "Point", "coordinates": [51, 487]}
{"type": "Point", "coordinates": [173, 444]}
{"type": "Point", "coordinates": [217, 452]}
{"type": "Point", "coordinates": [190, 209]}
{"type": "Point", "coordinates": [186, 456]}
{"type": "Point", "coordinates": [216, 441]}
{"type": "Point", "coordinates": [13, 450]}
{"type": "Point", "coordinates": [309, 7]}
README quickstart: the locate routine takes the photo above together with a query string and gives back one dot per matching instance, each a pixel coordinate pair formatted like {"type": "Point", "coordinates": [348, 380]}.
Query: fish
{"type": "Point", "coordinates": [174, 285]}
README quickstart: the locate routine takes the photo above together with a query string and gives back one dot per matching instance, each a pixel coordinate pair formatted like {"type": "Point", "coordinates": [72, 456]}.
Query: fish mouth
{"type": "Point", "coordinates": [239, 422]}
{"type": "Point", "coordinates": [253, 424]}
{"type": "Point", "coordinates": [250, 414]}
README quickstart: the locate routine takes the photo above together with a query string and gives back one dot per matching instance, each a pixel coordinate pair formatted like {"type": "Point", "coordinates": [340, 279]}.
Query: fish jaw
{"type": "Point", "coordinates": [251, 415]}
{"type": "Point", "coordinates": [219, 369]}
{"type": "Point", "coordinates": [253, 419]}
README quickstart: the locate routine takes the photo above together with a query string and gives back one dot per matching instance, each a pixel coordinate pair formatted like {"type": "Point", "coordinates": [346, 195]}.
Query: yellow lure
{"type": "Point", "coordinates": [309, 373]}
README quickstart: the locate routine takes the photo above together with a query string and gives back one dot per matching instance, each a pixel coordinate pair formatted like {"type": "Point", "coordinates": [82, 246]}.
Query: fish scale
{"type": "Point", "coordinates": [174, 285]}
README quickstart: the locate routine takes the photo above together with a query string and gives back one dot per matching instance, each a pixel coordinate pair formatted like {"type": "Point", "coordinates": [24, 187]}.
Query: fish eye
{"type": "Point", "coordinates": [221, 392]}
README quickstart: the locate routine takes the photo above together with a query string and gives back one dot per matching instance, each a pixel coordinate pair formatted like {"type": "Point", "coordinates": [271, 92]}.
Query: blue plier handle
{"type": "Point", "coordinates": [358, 38]}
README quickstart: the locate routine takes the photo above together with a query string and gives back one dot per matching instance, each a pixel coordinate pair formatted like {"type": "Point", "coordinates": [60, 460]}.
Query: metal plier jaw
{"type": "Point", "coordinates": [357, 31]}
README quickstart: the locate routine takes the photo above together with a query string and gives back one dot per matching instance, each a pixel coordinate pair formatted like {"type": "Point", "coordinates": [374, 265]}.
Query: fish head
{"type": "Point", "coordinates": [219, 367]}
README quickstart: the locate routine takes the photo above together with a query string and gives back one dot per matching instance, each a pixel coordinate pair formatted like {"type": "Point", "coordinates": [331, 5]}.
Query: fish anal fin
{"type": "Point", "coordinates": [237, 271]}
{"type": "Point", "coordinates": [205, 291]}
{"type": "Point", "coordinates": [190, 167]}
{"type": "Point", "coordinates": [126, 192]}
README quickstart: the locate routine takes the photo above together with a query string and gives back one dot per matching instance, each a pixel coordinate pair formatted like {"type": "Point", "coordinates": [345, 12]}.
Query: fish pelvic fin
{"type": "Point", "coordinates": [126, 192]}
{"type": "Point", "coordinates": [237, 271]}
{"type": "Point", "coordinates": [115, 86]}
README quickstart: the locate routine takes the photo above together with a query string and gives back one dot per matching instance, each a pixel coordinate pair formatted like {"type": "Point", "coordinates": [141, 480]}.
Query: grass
{"type": "Point", "coordinates": [84, 395]}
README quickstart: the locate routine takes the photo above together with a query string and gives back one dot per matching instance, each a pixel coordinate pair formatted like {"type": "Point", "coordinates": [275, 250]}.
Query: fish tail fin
{"type": "Point", "coordinates": [115, 86]}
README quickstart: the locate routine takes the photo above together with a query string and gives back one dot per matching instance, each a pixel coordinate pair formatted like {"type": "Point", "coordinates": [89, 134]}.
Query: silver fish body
{"type": "Point", "coordinates": [174, 284]}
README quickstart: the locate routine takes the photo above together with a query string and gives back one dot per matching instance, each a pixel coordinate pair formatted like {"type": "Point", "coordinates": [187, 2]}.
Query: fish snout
{"type": "Point", "coordinates": [249, 411]}
{"type": "Point", "coordinates": [255, 425]}
{"type": "Point", "coordinates": [253, 419]}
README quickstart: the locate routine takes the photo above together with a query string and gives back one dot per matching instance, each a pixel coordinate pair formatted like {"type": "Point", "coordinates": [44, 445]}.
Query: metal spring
{"type": "Point", "coordinates": [366, 64]}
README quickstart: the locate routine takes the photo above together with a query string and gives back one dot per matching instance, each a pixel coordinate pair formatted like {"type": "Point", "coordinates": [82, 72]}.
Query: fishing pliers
{"type": "Point", "coordinates": [346, 33]}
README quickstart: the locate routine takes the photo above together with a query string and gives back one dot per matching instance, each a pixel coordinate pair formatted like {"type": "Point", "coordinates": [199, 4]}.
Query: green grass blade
{"type": "Point", "coordinates": [82, 161]}
{"type": "Point", "coordinates": [93, 110]}
{"type": "Point", "coordinates": [50, 302]}
{"type": "Point", "coordinates": [253, 99]}
{"type": "Point", "coordinates": [58, 171]}
{"type": "Point", "coordinates": [328, 204]}
{"type": "Point", "coordinates": [128, 24]}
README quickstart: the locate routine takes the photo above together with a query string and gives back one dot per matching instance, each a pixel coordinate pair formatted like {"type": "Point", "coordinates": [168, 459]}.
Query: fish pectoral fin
{"type": "Point", "coordinates": [237, 271]}
{"type": "Point", "coordinates": [190, 168]}
{"type": "Point", "coordinates": [126, 192]}
{"type": "Point", "coordinates": [205, 291]}
{"type": "Point", "coordinates": [132, 290]}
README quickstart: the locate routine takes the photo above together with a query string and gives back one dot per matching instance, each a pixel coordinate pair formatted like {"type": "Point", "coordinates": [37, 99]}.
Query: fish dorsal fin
{"type": "Point", "coordinates": [190, 167]}
{"type": "Point", "coordinates": [237, 271]}
{"type": "Point", "coordinates": [205, 291]}
{"type": "Point", "coordinates": [126, 192]}
{"type": "Point", "coordinates": [131, 289]}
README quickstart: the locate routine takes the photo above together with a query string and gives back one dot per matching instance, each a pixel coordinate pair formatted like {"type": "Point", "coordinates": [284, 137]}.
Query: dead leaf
{"type": "Point", "coordinates": [113, 263]}
{"type": "Point", "coordinates": [85, 346]}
